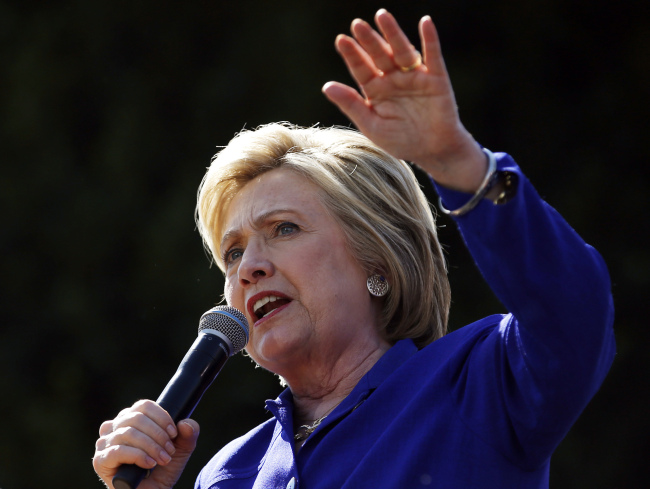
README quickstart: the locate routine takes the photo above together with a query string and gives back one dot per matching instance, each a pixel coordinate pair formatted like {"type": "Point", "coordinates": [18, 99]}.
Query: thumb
{"type": "Point", "coordinates": [188, 434]}
{"type": "Point", "coordinates": [166, 476]}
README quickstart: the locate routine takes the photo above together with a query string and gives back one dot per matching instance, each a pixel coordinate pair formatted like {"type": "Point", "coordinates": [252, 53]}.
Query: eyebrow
{"type": "Point", "coordinates": [257, 223]}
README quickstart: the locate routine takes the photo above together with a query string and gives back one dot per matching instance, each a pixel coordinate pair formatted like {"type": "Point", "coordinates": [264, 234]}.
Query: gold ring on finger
{"type": "Point", "coordinates": [414, 66]}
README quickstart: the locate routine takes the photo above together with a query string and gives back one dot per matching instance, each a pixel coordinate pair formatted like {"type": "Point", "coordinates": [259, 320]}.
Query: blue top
{"type": "Point", "coordinates": [484, 406]}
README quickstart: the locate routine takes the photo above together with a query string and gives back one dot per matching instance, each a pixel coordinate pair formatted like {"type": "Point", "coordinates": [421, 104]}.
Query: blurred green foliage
{"type": "Point", "coordinates": [110, 113]}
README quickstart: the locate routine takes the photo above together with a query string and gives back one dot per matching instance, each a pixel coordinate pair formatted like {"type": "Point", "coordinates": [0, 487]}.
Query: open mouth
{"type": "Point", "coordinates": [266, 305]}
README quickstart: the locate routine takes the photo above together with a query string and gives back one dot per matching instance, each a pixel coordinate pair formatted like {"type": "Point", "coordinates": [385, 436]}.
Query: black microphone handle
{"type": "Point", "coordinates": [197, 371]}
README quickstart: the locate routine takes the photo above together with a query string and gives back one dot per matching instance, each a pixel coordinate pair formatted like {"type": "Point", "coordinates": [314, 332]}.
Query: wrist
{"type": "Point", "coordinates": [484, 188]}
{"type": "Point", "coordinates": [461, 168]}
{"type": "Point", "coordinates": [498, 187]}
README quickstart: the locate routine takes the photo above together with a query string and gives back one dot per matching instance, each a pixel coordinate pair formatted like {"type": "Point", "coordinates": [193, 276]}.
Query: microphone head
{"type": "Point", "coordinates": [228, 321]}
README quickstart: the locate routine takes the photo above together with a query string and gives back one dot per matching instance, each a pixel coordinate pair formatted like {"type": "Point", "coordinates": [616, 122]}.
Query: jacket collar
{"type": "Point", "coordinates": [282, 407]}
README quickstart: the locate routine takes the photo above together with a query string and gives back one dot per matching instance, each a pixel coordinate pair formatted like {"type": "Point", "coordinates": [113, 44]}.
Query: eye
{"type": "Point", "coordinates": [285, 228]}
{"type": "Point", "coordinates": [232, 255]}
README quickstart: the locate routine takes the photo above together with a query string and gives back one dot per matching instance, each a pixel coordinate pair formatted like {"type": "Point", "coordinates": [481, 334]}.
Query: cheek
{"type": "Point", "coordinates": [228, 292]}
{"type": "Point", "coordinates": [234, 296]}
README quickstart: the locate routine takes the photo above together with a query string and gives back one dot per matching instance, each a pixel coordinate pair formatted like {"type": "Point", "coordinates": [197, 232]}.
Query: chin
{"type": "Point", "coordinates": [275, 353]}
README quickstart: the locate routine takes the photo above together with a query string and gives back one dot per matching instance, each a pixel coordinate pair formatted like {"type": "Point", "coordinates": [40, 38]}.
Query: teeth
{"type": "Point", "coordinates": [263, 301]}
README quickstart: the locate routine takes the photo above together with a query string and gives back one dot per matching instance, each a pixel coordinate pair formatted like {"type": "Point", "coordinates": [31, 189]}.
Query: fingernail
{"type": "Point", "coordinates": [150, 462]}
{"type": "Point", "coordinates": [190, 426]}
{"type": "Point", "coordinates": [164, 456]}
{"type": "Point", "coordinates": [171, 431]}
{"type": "Point", "coordinates": [170, 448]}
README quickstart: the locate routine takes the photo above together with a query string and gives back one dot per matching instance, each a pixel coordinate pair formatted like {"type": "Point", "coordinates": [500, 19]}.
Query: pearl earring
{"type": "Point", "coordinates": [377, 285]}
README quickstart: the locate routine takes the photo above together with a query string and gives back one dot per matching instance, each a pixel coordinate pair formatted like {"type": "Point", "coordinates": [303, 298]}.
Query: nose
{"type": "Point", "coordinates": [254, 265]}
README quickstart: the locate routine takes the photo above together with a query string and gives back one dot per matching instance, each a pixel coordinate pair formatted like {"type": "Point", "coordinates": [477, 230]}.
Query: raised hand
{"type": "Point", "coordinates": [406, 104]}
{"type": "Point", "coordinates": [145, 435]}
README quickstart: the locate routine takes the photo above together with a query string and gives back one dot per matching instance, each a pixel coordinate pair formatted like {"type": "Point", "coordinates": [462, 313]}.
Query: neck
{"type": "Point", "coordinates": [317, 393]}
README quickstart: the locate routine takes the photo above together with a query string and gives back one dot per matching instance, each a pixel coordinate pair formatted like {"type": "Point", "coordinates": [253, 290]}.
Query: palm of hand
{"type": "Point", "coordinates": [410, 115]}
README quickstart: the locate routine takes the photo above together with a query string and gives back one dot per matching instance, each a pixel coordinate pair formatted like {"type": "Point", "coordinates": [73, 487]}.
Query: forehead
{"type": "Point", "coordinates": [276, 190]}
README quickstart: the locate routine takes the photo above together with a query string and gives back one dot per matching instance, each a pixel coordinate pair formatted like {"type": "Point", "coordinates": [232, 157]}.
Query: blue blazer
{"type": "Point", "coordinates": [482, 407]}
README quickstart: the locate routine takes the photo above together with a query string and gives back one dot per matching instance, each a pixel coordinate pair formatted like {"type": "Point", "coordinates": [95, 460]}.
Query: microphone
{"type": "Point", "coordinates": [223, 331]}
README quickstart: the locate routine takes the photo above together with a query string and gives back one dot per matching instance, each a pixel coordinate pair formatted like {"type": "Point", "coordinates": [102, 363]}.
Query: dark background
{"type": "Point", "coordinates": [110, 112]}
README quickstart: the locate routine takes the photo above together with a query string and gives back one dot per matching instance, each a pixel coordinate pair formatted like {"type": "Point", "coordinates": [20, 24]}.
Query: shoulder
{"type": "Point", "coordinates": [464, 339]}
{"type": "Point", "coordinates": [438, 361]}
{"type": "Point", "coordinates": [475, 344]}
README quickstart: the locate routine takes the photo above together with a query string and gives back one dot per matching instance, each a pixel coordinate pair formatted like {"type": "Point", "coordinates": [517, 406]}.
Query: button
{"type": "Point", "coordinates": [292, 483]}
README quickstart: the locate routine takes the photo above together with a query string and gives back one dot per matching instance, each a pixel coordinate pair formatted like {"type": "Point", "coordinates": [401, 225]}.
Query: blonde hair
{"type": "Point", "coordinates": [375, 198]}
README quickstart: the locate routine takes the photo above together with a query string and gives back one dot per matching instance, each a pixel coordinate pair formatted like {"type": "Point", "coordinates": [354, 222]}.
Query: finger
{"type": "Point", "coordinates": [375, 45]}
{"type": "Point", "coordinates": [348, 100]}
{"type": "Point", "coordinates": [106, 427]}
{"type": "Point", "coordinates": [132, 437]}
{"type": "Point", "coordinates": [404, 53]}
{"type": "Point", "coordinates": [359, 64]}
{"type": "Point", "coordinates": [431, 47]}
{"type": "Point", "coordinates": [157, 414]}
{"type": "Point", "coordinates": [140, 423]}
{"type": "Point", "coordinates": [101, 444]}
{"type": "Point", "coordinates": [107, 461]}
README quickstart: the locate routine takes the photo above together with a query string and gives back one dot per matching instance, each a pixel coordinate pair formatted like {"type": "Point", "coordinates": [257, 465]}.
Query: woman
{"type": "Point", "coordinates": [329, 248]}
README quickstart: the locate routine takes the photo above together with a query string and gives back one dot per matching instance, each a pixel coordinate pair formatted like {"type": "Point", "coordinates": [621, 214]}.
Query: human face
{"type": "Point", "coordinates": [280, 242]}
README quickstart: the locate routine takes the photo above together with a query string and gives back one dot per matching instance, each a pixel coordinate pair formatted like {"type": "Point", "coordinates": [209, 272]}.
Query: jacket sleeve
{"type": "Point", "coordinates": [526, 381]}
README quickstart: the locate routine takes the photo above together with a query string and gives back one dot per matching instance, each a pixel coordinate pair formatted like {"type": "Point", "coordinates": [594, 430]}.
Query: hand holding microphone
{"type": "Point", "coordinates": [146, 435]}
